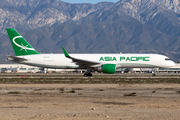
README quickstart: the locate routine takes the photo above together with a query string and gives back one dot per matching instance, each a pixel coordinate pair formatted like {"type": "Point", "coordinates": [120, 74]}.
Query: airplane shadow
{"type": "Point", "coordinates": [114, 103]}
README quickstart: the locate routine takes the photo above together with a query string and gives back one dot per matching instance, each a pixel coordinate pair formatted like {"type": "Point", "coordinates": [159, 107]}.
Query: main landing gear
{"type": "Point", "coordinates": [87, 74]}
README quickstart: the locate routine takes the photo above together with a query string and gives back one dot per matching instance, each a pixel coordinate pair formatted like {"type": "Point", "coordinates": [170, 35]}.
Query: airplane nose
{"type": "Point", "coordinates": [172, 63]}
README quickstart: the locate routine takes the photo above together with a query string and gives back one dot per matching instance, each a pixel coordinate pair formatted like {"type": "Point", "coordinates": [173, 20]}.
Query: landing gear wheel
{"type": "Point", "coordinates": [154, 74]}
{"type": "Point", "coordinates": [88, 74]}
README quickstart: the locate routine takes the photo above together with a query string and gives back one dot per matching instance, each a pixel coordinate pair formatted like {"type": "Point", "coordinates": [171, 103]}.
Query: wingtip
{"type": "Point", "coordinates": [9, 28]}
{"type": "Point", "coordinates": [65, 52]}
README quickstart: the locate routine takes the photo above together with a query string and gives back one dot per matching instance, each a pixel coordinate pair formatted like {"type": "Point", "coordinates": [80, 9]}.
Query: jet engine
{"type": "Point", "coordinates": [107, 68]}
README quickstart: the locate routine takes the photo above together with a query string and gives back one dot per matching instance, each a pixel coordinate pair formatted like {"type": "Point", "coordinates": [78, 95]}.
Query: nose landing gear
{"type": "Point", "coordinates": [154, 72]}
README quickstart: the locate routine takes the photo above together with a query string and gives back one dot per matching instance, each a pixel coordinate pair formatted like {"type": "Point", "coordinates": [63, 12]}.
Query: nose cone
{"type": "Point", "coordinates": [171, 64]}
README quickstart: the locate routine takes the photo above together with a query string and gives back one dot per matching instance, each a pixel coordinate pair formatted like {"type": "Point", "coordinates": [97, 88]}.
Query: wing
{"type": "Point", "coordinates": [80, 62]}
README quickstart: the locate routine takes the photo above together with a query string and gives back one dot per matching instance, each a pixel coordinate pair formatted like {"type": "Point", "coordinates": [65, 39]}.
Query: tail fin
{"type": "Point", "coordinates": [19, 44]}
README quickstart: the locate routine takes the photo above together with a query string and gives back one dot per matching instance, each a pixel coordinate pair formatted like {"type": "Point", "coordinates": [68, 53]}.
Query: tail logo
{"type": "Point", "coordinates": [21, 46]}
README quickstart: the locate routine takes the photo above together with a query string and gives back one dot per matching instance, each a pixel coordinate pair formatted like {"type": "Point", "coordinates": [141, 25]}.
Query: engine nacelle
{"type": "Point", "coordinates": [107, 68]}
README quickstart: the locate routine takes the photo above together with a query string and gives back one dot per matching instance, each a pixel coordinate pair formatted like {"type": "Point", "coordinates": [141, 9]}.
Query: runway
{"type": "Point", "coordinates": [80, 79]}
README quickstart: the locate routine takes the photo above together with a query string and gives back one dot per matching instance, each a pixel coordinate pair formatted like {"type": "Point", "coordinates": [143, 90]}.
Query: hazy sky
{"type": "Point", "coordinates": [88, 1]}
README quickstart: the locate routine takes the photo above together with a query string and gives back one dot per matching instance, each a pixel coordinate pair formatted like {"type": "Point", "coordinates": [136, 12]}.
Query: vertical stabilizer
{"type": "Point", "coordinates": [19, 44]}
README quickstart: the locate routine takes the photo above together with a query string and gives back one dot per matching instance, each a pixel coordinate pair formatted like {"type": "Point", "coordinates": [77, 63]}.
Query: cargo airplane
{"type": "Point", "coordinates": [107, 63]}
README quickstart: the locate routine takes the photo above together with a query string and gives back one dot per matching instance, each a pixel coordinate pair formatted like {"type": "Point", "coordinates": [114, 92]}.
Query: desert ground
{"type": "Point", "coordinates": [90, 101]}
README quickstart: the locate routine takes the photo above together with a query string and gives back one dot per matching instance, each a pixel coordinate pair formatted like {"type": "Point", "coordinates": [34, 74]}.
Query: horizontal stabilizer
{"type": "Point", "coordinates": [14, 58]}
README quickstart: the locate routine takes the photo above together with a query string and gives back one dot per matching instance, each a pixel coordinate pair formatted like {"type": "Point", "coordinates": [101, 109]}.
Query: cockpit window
{"type": "Point", "coordinates": [167, 59]}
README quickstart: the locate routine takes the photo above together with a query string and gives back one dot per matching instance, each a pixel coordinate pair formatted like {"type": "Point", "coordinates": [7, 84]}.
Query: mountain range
{"type": "Point", "coordinates": [128, 26]}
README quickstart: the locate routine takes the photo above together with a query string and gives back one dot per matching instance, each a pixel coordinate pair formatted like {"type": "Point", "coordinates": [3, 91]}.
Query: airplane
{"type": "Point", "coordinates": [106, 63]}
